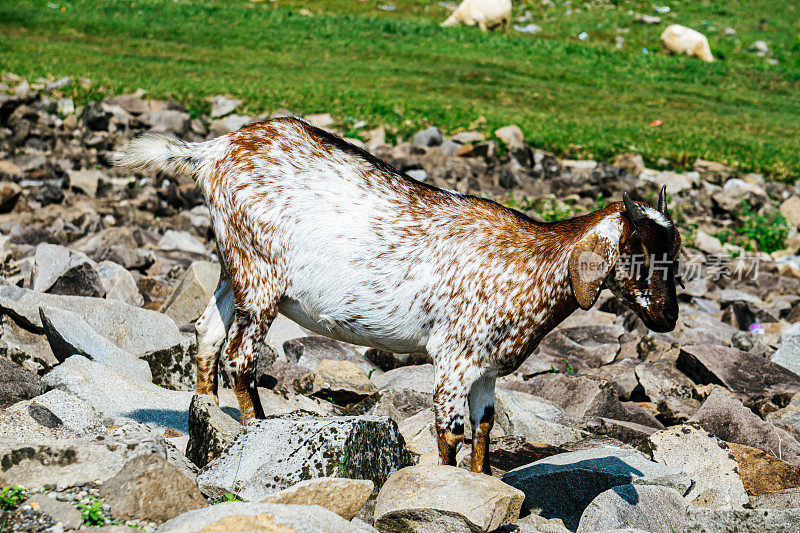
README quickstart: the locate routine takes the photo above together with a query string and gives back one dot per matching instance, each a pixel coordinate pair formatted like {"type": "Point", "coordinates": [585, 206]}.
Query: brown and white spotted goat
{"type": "Point", "coordinates": [343, 244]}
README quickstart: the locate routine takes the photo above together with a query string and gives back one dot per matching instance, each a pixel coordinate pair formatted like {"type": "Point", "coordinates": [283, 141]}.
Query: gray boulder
{"type": "Point", "coordinates": [119, 283]}
{"type": "Point", "coordinates": [284, 403]}
{"type": "Point", "coordinates": [344, 497]}
{"type": "Point", "coordinates": [120, 397]}
{"type": "Point", "coordinates": [563, 485]}
{"type": "Point", "coordinates": [146, 334]}
{"type": "Point", "coordinates": [70, 335]}
{"type": "Point", "coordinates": [167, 121]}
{"type": "Point", "coordinates": [193, 292]}
{"type": "Point", "coordinates": [276, 453]}
{"type": "Point", "coordinates": [729, 420]}
{"type": "Point", "coordinates": [24, 347]}
{"type": "Point", "coordinates": [747, 374]}
{"type": "Point", "coordinates": [418, 378]}
{"type": "Point", "coordinates": [535, 419]}
{"type": "Point", "coordinates": [401, 404]}
{"type": "Point", "coordinates": [228, 124]}
{"type": "Point", "coordinates": [445, 498]}
{"type": "Point", "coordinates": [648, 508]}
{"type": "Point", "coordinates": [661, 380]}
{"type": "Point", "coordinates": [709, 461]}
{"type": "Point", "coordinates": [150, 488]}
{"type": "Point", "coordinates": [87, 181]}
{"type": "Point", "coordinates": [702, 520]}
{"type": "Point", "coordinates": [583, 346]}
{"type": "Point", "coordinates": [788, 353]}
{"type": "Point", "coordinates": [69, 462]}
{"type": "Point", "coordinates": [511, 136]}
{"type": "Point", "coordinates": [210, 430]}
{"type": "Point", "coordinates": [17, 384]}
{"type": "Point", "coordinates": [779, 499]}
{"type": "Point", "coordinates": [427, 137]}
{"type": "Point", "coordinates": [579, 396]}
{"type": "Point", "coordinates": [62, 512]}
{"type": "Point", "coordinates": [308, 352]}
{"type": "Point", "coordinates": [341, 382]}
{"type": "Point", "coordinates": [788, 417]}
{"type": "Point", "coordinates": [52, 415]}
{"type": "Point", "coordinates": [628, 432]}
{"type": "Point", "coordinates": [621, 374]}
{"type": "Point", "coordinates": [243, 516]}
{"type": "Point", "coordinates": [223, 105]}
{"type": "Point", "coordinates": [129, 102]}
{"type": "Point", "coordinates": [59, 270]}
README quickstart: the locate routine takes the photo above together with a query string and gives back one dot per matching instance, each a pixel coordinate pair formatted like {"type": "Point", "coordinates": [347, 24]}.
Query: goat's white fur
{"type": "Point", "coordinates": [484, 13]}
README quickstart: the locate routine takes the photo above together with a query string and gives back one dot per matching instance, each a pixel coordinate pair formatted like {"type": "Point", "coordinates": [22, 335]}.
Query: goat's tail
{"type": "Point", "coordinates": [152, 151]}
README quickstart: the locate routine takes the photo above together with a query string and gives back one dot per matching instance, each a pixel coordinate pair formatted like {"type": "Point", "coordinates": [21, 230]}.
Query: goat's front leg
{"type": "Point", "coordinates": [449, 400]}
{"type": "Point", "coordinates": [244, 341]}
{"type": "Point", "coordinates": [481, 418]}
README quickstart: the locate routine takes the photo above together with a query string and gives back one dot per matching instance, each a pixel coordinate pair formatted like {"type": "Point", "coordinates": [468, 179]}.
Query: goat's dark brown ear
{"type": "Point", "coordinates": [632, 209]}
{"type": "Point", "coordinates": [589, 265]}
{"type": "Point", "coordinates": [662, 202]}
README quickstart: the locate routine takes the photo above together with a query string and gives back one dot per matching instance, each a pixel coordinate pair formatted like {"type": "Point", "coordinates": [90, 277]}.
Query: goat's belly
{"type": "Point", "coordinates": [400, 336]}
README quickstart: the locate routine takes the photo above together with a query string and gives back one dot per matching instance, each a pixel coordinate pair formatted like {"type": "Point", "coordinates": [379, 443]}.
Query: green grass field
{"type": "Point", "coordinates": [399, 68]}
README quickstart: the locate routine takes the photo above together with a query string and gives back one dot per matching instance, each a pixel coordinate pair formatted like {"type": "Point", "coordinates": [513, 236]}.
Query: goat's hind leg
{"type": "Point", "coordinates": [240, 355]}
{"type": "Point", "coordinates": [212, 328]}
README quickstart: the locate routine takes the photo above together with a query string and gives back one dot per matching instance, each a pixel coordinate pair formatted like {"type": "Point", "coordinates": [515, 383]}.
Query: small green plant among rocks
{"type": "Point", "coordinates": [766, 229]}
{"type": "Point", "coordinates": [11, 497]}
{"type": "Point", "coordinates": [228, 497]}
{"type": "Point", "coordinates": [93, 513]}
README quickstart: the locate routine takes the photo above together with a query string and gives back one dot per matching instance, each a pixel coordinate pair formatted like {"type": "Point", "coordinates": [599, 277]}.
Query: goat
{"type": "Point", "coordinates": [486, 14]}
{"type": "Point", "coordinates": [337, 240]}
{"type": "Point", "coordinates": [677, 39]}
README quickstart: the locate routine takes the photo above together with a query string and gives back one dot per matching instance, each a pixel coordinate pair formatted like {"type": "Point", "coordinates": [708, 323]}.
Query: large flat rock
{"type": "Point", "coordinates": [146, 334]}
{"type": "Point", "coordinates": [744, 373]}
{"type": "Point", "coordinates": [276, 453]}
{"type": "Point", "coordinates": [120, 397]}
{"type": "Point", "coordinates": [52, 415]}
{"type": "Point", "coordinates": [563, 485]}
{"type": "Point", "coordinates": [648, 508]}
{"type": "Point", "coordinates": [445, 498]}
{"type": "Point", "coordinates": [69, 462]}
{"type": "Point", "coordinates": [708, 460]}
{"type": "Point", "coordinates": [68, 335]}
{"type": "Point", "coordinates": [535, 419]}
{"type": "Point", "coordinates": [702, 520]}
{"type": "Point", "coordinates": [268, 517]}
{"type": "Point", "coordinates": [726, 418]}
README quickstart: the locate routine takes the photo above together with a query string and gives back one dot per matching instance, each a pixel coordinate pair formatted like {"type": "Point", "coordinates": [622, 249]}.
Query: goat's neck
{"type": "Point", "coordinates": [551, 248]}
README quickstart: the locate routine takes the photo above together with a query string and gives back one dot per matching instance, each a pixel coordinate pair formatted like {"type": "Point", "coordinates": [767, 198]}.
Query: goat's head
{"type": "Point", "coordinates": [640, 267]}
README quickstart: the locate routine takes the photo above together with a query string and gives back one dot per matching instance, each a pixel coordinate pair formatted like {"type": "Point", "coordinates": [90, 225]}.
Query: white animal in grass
{"type": "Point", "coordinates": [486, 14]}
{"type": "Point", "coordinates": [677, 39]}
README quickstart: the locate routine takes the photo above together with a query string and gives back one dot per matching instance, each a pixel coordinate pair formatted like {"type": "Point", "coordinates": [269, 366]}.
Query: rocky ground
{"type": "Point", "coordinates": [607, 426]}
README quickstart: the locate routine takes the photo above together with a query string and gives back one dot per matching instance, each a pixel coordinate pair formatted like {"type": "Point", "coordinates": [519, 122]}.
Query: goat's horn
{"type": "Point", "coordinates": [633, 210]}
{"type": "Point", "coordinates": [662, 201]}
